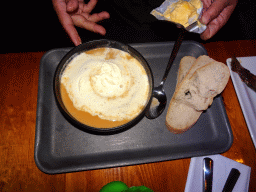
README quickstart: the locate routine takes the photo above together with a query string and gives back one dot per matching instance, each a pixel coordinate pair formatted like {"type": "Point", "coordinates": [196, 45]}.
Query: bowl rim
{"type": "Point", "coordinates": [86, 47]}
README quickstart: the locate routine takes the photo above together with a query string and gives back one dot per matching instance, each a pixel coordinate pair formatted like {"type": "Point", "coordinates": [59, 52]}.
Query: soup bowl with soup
{"type": "Point", "coordinates": [103, 86]}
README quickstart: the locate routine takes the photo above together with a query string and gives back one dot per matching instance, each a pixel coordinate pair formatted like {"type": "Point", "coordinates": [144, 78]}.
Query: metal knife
{"type": "Point", "coordinates": [246, 76]}
{"type": "Point", "coordinates": [207, 174]}
{"type": "Point", "coordinates": [231, 180]}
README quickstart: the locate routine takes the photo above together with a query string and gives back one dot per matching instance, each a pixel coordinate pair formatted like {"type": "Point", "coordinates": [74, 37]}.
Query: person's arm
{"type": "Point", "coordinates": [73, 13]}
{"type": "Point", "coordinates": [215, 15]}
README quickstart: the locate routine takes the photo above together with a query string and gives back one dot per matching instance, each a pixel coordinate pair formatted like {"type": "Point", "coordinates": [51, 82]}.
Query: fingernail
{"type": "Point", "coordinates": [100, 30]}
{"type": "Point", "coordinates": [78, 42]}
{"type": "Point", "coordinates": [204, 20]}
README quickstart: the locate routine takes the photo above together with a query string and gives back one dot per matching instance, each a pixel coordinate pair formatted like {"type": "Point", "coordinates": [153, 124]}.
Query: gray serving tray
{"type": "Point", "coordinates": [60, 147]}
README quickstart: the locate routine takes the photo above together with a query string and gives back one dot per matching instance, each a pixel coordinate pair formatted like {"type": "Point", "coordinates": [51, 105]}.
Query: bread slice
{"type": "Point", "coordinates": [174, 121]}
{"type": "Point", "coordinates": [199, 81]}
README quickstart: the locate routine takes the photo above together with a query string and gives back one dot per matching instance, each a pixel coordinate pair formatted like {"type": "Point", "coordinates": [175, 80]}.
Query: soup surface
{"type": "Point", "coordinates": [104, 87]}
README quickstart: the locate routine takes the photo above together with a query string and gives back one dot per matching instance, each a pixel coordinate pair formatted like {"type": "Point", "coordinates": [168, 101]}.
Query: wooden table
{"type": "Point", "coordinates": [18, 102]}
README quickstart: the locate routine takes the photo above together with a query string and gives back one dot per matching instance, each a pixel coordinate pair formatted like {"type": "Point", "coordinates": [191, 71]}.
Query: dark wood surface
{"type": "Point", "coordinates": [18, 101]}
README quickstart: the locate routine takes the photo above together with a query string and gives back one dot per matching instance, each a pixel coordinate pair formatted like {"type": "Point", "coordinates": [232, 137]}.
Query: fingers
{"type": "Point", "coordinates": [81, 22]}
{"type": "Point", "coordinates": [73, 13]}
{"type": "Point", "coordinates": [89, 21]}
{"type": "Point", "coordinates": [90, 6]}
{"type": "Point", "coordinates": [67, 23]}
{"type": "Point", "coordinates": [210, 31]}
{"type": "Point", "coordinates": [213, 11]}
{"type": "Point", "coordinates": [60, 7]}
{"type": "Point", "coordinates": [70, 29]}
{"type": "Point", "coordinates": [72, 5]}
{"type": "Point", "coordinates": [96, 17]}
{"type": "Point", "coordinates": [84, 20]}
{"type": "Point", "coordinates": [214, 26]}
{"type": "Point", "coordinates": [73, 35]}
{"type": "Point", "coordinates": [216, 16]}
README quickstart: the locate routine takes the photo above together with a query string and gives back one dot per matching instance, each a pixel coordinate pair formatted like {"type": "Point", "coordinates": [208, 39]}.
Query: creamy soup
{"type": "Point", "coordinates": [104, 87]}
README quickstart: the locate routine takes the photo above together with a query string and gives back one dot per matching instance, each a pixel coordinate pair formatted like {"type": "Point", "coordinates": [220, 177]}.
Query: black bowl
{"type": "Point", "coordinates": [86, 47]}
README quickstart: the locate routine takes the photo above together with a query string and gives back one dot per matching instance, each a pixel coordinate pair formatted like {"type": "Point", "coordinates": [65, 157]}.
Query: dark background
{"type": "Point", "coordinates": [33, 26]}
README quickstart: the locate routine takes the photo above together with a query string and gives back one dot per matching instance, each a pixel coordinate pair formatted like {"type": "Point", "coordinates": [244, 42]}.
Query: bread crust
{"type": "Point", "coordinates": [177, 131]}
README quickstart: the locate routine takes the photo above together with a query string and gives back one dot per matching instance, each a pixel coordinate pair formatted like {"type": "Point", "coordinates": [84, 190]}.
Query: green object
{"type": "Point", "coordinates": [115, 186]}
{"type": "Point", "coordinates": [139, 189]}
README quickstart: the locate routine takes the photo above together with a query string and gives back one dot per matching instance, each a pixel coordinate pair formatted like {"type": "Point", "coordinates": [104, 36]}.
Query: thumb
{"type": "Point", "coordinates": [72, 5]}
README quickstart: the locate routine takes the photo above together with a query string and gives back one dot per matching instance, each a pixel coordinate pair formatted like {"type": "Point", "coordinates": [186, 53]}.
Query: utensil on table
{"type": "Point", "coordinates": [159, 98]}
{"type": "Point", "coordinates": [246, 76]}
{"type": "Point", "coordinates": [207, 174]}
{"type": "Point", "coordinates": [231, 180]}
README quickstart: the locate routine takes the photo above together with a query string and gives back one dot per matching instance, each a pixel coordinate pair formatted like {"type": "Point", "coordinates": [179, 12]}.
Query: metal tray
{"type": "Point", "coordinates": [60, 147]}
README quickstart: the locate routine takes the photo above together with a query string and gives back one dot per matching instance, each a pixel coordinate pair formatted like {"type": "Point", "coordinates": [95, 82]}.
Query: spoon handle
{"type": "Point", "coordinates": [175, 50]}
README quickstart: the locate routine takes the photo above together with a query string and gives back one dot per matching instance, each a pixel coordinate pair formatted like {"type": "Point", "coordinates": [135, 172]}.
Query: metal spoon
{"type": "Point", "coordinates": [159, 98]}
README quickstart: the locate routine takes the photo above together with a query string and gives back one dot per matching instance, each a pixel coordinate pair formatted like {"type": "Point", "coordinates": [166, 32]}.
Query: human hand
{"type": "Point", "coordinates": [73, 13]}
{"type": "Point", "coordinates": [215, 15]}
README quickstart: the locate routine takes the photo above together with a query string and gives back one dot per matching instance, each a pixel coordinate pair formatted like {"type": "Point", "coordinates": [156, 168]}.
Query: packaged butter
{"type": "Point", "coordinates": [182, 12]}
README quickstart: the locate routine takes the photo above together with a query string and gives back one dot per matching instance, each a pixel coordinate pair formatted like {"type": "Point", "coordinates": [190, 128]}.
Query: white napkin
{"type": "Point", "coordinates": [221, 169]}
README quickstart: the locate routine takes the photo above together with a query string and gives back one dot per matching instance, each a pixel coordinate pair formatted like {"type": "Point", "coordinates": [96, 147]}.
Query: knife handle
{"type": "Point", "coordinates": [207, 174]}
{"type": "Point", "coordinates": [231, 180]}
